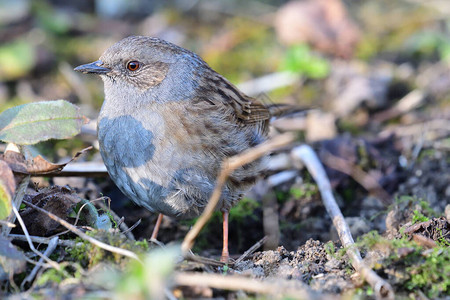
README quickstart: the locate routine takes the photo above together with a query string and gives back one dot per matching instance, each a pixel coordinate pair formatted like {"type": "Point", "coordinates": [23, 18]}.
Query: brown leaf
{"type": "Point", "coordinates": [426, 233]}
{"type": "Point", "coordinates": [57, 200]}
{"type": "Point", "coordinates": [7, 177]}
{"type": "Point", "coordinates": [37, 166]}
{"type": "Point", "coordinates": [424, 241]}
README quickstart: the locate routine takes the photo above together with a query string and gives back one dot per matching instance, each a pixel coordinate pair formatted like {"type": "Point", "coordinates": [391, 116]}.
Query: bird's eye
{"type": "Point", "coordinates": [133, 65]}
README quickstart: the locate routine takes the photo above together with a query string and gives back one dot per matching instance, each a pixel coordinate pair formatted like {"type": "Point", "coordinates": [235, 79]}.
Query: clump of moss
{"type": "Point", "coordinates": [54, 276]}
{"type": "Point", "coordinates": [410, 265]}
{"type": "Point", "coordinates": [89, 255]}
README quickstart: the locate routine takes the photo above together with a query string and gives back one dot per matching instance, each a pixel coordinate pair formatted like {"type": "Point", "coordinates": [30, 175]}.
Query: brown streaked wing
{"type": "Point", "coordinates": [247, 109]}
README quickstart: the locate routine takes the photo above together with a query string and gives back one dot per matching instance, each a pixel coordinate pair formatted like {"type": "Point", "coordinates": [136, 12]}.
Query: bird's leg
{"type": "Point", "coordinates": [156, 228]}
{"type": "Point", "coordinates": [225, 254]}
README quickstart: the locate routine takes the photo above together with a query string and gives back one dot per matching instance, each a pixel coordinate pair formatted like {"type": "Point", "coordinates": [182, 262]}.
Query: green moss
{"type": "Point", "coordinates": [418, 217]}
{"type": "Point", "coordinates": [432, 273]}
{"type": "Point", "coordinates": [427, 270]}
{"type": "Point", "coordinates": [300, 59]}
{"type": "Point", "coordinates": [52, 276]}
{"type": "Point", "coordinates": [330, 249]}
{"type": "Point", "coordinates": [89, 255]}
{"type": "Point", "coordinates": [307, 190]}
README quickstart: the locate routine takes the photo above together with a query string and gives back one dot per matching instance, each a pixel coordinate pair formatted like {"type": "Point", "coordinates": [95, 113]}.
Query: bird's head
{"type": "Point", "coordinates": [140, 65]}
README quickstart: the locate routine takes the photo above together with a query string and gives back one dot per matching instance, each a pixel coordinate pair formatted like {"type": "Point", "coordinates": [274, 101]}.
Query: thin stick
{"type": "Point", "coordinates": [84, 236]}
{"type": "Point", "coordinates": [204, 260]}
{"type": "Point", "coordinates": [30, 243]}
{"type": "Point", "coordinates": [251, 250]}
{"type": "Point", "coordinates": [306, 154]}
{"type": "Point", "coordinates": [228, 166]}
{"type": "Point", "coordinates": [128, 233]}
{"type": "Point", "coordinates": [41, 240]}
{"type": "Point", "coordinates": [279, 288]}
{"type": "Point", "coordinates": [51, 247]}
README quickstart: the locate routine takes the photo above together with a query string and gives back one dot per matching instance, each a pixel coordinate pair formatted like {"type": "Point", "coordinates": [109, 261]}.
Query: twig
{"type": "Point", "coordinates": [383, 289]}
{"type": "Point", "coordinates": [281, 177]}
{"type": "Point", "coordinates": [279, 288]}
{"type": "Point", "coordinates": [30, 243]}
{"type": "Point", "coordinates": [251, 250]}
{"type": "Point", "coordinates": [83, 169]}
{"type": "Point", "coordinates": [51, 247]}
{"type": "Point", "coordinates": [228, 166]}
{"type": "Point", "coordinates": [41, 240]}
{"type": "Point", "coordinates": [127, 232]}
{"type": "Point", "coordinates": [84, 236]}
{"type": "Point", "coordinates": [409, 102]}
{"type": "Point", "coordinates": [203, 260]}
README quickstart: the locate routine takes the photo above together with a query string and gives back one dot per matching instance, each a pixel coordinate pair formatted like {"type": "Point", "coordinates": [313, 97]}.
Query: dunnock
{"type": "Point", "coordinates": [167, 123]}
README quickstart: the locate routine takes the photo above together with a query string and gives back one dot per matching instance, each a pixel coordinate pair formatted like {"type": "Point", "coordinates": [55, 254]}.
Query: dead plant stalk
{"type": "Point", "coordinates": [306, 154]}
{"type": "Point", "coordinates": [84, 236]}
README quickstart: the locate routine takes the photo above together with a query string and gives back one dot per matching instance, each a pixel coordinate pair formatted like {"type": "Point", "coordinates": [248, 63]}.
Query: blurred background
{"type": "Point", "coordinates": [379, 49]}
{"type": "Point", "coordinates": [371, 68]}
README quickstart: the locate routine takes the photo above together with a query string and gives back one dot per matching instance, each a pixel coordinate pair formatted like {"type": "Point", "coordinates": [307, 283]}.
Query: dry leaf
{"type": "Point", "coordinates": [38, 166]}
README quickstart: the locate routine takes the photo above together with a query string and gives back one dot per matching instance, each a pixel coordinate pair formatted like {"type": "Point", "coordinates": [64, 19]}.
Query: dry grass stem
{"type": "Point", "coordinates": [203, 260]}
{"type": "Point", "coordinates": [228, 166]}
{"type": "Point", "coordinates": [51, 247]}
{"type": "Point", "coordinates": [252, 249]}
{"type": "Point", "coordinates": [306, 154]}
{"type": "Point", "coordinates": [127, 231]}
{"type": "Point", "coordinates": [30, 243]}
{"type": "Point", "coordinates": [84, 236]}
{"type": "Point", "coordinates": [278, 288]}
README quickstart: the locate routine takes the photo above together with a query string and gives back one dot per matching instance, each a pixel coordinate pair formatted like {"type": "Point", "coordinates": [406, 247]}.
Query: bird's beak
{"type": "Point", "coordinates": [93, 68]}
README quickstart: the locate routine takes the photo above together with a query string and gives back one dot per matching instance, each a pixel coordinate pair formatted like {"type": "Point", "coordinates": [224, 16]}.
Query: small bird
{"type": "Point", "coordinates": [167, 123]}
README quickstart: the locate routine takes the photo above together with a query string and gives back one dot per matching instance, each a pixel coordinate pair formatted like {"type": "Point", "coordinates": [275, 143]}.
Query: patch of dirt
{"type": "Point", "coordinates": [310, 263]}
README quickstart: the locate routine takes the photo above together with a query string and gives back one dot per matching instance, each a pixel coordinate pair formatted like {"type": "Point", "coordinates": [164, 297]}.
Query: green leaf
{"type": "Point", "coordinates": [40, 121]}
{"type": "Point", "coordinates": [91, 215]}
{"type": "Point", "coordinates": [7, 189]}
{"type": "Point", "coordinates": [5, 201]}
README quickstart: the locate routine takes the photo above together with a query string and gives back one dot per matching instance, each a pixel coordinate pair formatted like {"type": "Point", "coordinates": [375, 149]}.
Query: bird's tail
{"type": "Point", "coordinates": [281, 110]}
